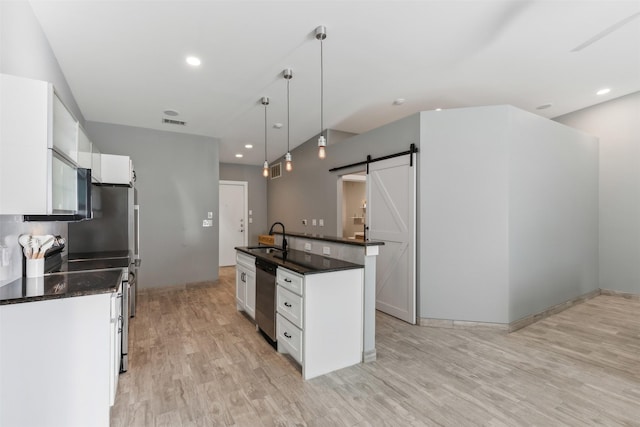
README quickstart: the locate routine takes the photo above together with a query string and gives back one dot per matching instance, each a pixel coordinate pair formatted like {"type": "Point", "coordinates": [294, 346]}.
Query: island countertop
{"type": "Point", "coordinates": [298, 261]}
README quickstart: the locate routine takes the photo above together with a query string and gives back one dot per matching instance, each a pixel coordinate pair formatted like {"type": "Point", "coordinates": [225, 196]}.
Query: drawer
{"type": "Point", "coordinates": [290, 306]}
{"type": "Point", "coordinates": [290, 280]}
{"type": "Point", "coordinates": [246, 260]}
{"type": "Point", "coordinates": [289, 338]}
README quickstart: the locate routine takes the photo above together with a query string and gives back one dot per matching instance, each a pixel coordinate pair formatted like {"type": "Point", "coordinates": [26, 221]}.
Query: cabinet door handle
{"type": "Point", "coordinates": [287, 280]}
{"type": "Point", "coordinates": [243, 277]}
{"type": "Point", "coordinates": [286, 304]}
{"type": "Point", "coordinates": [287, 335]}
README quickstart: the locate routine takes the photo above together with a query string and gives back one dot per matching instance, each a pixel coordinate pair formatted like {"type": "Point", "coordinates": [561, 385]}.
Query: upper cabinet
{"type": "Point", "coordinates": [38, 150]}
{"type": "Point", "coordinates": [117, 169]}
{"type": "Point", "coordinates": [89, 155]}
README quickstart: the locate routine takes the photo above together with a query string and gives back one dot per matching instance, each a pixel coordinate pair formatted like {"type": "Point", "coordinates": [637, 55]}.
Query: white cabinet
{"type": "Point", "coordinates": [38, 149]}
{"type": "Point", "coordinates": [246, 284]}
{"type": "Point", "coordinates": [116, 169]}
{"type": "Point", "coordinates": [57, 355]}
{"type": "Point", "coordinates": [319, 319]}
{"type": "Point", "coordinates": [115, 340]}
{"type": "Point", "coordinates": [84, 150]}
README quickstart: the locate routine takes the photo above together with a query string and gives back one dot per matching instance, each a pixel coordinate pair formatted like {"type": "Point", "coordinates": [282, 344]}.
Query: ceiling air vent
{"type": "Point", "coordinates": [276, 170]}
{"type": "Point", "coordinates": [173, 122]}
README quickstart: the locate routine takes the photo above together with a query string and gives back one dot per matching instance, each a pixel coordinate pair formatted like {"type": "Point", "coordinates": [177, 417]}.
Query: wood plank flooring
{"type": "Point", "coordinates": [196, 361]}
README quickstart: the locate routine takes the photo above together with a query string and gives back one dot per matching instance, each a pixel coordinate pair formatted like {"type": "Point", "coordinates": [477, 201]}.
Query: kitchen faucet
{"type": "Point", "coordinates": [284, 235]}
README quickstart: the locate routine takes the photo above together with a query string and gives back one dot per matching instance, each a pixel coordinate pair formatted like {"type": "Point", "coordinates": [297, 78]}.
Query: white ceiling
{"type": "Point", "coordinates": [125, 61]}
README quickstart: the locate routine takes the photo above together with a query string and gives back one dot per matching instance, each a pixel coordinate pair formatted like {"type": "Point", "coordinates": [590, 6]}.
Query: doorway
{"type": "Point", "coordinates": [233, 206]}
{"type": "Point", "coordinates": [354, 206]}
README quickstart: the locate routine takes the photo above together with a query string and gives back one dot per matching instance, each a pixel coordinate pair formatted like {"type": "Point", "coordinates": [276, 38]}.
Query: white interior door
{"type": "Point", "coordinates": [233, 202]}
{"type": "Point", "coordinates": [391, 197]}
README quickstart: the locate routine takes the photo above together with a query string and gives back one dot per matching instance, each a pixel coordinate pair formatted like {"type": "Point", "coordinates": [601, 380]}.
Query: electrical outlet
{"type": "Point", "coordinates": [304, 222]}
{"type": "Point", "coordinates": [321, 222]}
{"type": "Point", "coordinates": [307, 246]}
{"type": "Point", "coordinates": [314, 222]}
{"type": "Point", "coordinates": [250, 220]}
{"type": "Point", "coordinates": [326, 250]}
{"type": "Point", "coordinates": [250, 212]}
{"type": "Point", "coordinates": [209, 215]}
{"type": "Point", "coordinates": [207, 223]}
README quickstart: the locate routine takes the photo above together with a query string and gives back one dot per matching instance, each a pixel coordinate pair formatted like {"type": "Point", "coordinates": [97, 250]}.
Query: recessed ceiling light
{"type": "Point", "coordinates": [193, 61]}
{"type": "Point", "coordinates": [248, 146]}
{"type": "Point", "coordinates": [277, 125]}
{"type": "Point", "coordinates": [171, 113]}
{"type": "Point", "coordinates": [544, 106]}
{"type": "Point", "coordinates": [438, 109]}
{"type": "Point", "coordinates": [604, 91]}
{"type": "Point", "coordinates": [399, 101]}
{"type": "Point", "coordinates": [239, 155]}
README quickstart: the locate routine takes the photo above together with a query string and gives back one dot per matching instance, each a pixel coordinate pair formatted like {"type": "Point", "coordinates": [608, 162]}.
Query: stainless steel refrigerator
{"type": "Point", "coordinates": [112, 233]}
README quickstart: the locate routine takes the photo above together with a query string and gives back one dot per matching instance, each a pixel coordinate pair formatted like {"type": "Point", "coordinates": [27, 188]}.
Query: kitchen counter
{"type": "Point", "coordinates": [298, 261]}
{"type": "Point", "coordinates": [61, 285]}
{"type": "Point", "coordinates": [334, 239]}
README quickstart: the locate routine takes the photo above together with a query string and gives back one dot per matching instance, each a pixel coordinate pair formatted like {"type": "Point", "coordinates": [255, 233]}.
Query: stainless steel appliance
{"type": "Point", "coordinates": [266, 298]}
{"type": "Point", "coordinates": [113, 232]}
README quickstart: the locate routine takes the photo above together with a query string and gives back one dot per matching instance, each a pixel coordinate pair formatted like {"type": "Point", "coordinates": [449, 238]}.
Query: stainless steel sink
{"type": "Point", "coordinates": [264, 249]}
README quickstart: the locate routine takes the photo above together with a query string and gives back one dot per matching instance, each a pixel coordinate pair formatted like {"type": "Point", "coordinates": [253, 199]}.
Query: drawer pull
{"type": "Point", "coordinates": [287, 280]}
{"type": "Point", "coordinates": [286, 304]}
{"type": "Point", "coordinates": [287, 335]}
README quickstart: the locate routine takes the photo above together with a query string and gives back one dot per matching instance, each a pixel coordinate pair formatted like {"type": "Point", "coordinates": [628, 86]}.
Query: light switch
{"type": "Point", "coordinates": [209, 215]}
{"type": "Point", "coordinates": [304, 222]}
{"type": "Point", "coordinates": [207, 223]}
{"type": "Point", "coordinates": [321, 222]}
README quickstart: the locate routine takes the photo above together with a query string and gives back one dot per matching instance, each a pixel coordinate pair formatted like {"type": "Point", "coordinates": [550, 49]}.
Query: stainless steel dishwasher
{"type": "Point", "coordinates": [266, 297]}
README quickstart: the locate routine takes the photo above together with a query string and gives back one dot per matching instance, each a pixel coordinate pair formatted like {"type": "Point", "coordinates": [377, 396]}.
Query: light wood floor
{"type": "Point", "coordinates": [195, 361]}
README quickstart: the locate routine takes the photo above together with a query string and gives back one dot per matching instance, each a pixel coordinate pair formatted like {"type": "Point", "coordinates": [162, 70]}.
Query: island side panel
{"type": "Point", "coordinates": [333, 321]}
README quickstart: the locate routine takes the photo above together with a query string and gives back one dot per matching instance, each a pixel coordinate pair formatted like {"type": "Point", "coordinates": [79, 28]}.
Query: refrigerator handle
{"type": "Point", "coordinates": [136, 228]}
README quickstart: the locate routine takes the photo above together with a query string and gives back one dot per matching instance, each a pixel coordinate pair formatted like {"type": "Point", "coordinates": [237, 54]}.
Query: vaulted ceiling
{"type": "Point", "coordinates": [125, 61]}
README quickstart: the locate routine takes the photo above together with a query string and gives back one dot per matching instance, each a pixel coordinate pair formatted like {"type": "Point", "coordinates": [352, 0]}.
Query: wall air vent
{"type": "Point", "coordinates": [173, 122]}
{"type": "Point", "coordinates": [276, 170]}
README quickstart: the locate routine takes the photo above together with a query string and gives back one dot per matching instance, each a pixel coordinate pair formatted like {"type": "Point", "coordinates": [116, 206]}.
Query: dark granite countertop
{"type": "Point", "coordinates": [298, 261]}
{"type": "Point", "coordinates": [70, 276]}
{"type": "Point", "coordinates": [61, 285]}
{"type": "Point", "coordinates": [324, 238]}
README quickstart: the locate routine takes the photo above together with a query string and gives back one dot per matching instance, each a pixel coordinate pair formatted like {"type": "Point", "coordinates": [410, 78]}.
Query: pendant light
{"type": "Point", "coordinates": [321, 34]}
{"type": "Point", "coordinates": [288, 75]}
{"type": "Point", "coordinates": [265, 167]}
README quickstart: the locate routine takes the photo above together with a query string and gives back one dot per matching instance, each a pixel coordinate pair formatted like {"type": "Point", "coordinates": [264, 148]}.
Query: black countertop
{"type": "Point", "coordinates": [325, 238]}
{"type": "Point", "coordinates": [298, 261]}
{"type": "Point", "coordinates": [76, 275]}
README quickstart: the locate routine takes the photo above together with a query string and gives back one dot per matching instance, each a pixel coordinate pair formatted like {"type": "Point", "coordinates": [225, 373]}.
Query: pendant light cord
{"type": "Point", "coordinates": [321, 89]}
{"type": "Point", "coordinates": [288, 120]}
{"type": "Point", "coordinates": [265, 132]}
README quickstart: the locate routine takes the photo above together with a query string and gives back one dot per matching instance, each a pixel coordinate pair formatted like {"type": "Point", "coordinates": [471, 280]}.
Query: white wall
{"type": "Point", "coordinates": [617, 124]}
{"type": "Point", "coordinates": [463, 217]}
{"type": "Point", "coordinates": [553, 213]}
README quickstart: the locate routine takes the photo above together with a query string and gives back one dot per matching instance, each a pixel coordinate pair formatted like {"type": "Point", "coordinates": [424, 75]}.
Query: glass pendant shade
{"type": "Point", "coordinates": [322, 144]}
{"type": "Point", "coordinates": [288, 166]}
{"type": "Point", "coordinates": [265, 169]}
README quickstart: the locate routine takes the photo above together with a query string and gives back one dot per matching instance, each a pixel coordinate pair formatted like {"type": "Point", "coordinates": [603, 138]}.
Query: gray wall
{"type": "Point", "coordinates": [311, 191]}
{"type": "Point", "coordinates": [257, 195]}
{"type": "Point", "coordinates": [177, 182]}
{"type": "Point", "coordinates": [463, 217]}
{"type": "Point", "coordinates": [553, 213]}
{"type": "Point", "coordinates": [24, 51]}
{"type": "Point", "coordinates": [617, 124]}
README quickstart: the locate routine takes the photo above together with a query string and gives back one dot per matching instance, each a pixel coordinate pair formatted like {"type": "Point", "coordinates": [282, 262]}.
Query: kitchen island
{"type": "Point", "coordinates": [60, 348]}
{"type": "Point", "coordinates": [318, 306]}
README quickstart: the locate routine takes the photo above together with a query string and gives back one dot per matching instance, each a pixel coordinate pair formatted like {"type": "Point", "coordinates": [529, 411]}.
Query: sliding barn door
{"type": "Point", "coordinates": [391, 198]}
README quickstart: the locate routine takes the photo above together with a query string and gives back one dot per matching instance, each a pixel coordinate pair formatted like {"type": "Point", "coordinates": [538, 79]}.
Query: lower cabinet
{"type": "Point", "coordinates": [57, 361]}
{"type": "Point", "coordinates": [319, 320]}
{"type": "Point", "coordinates": [246, 284]}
